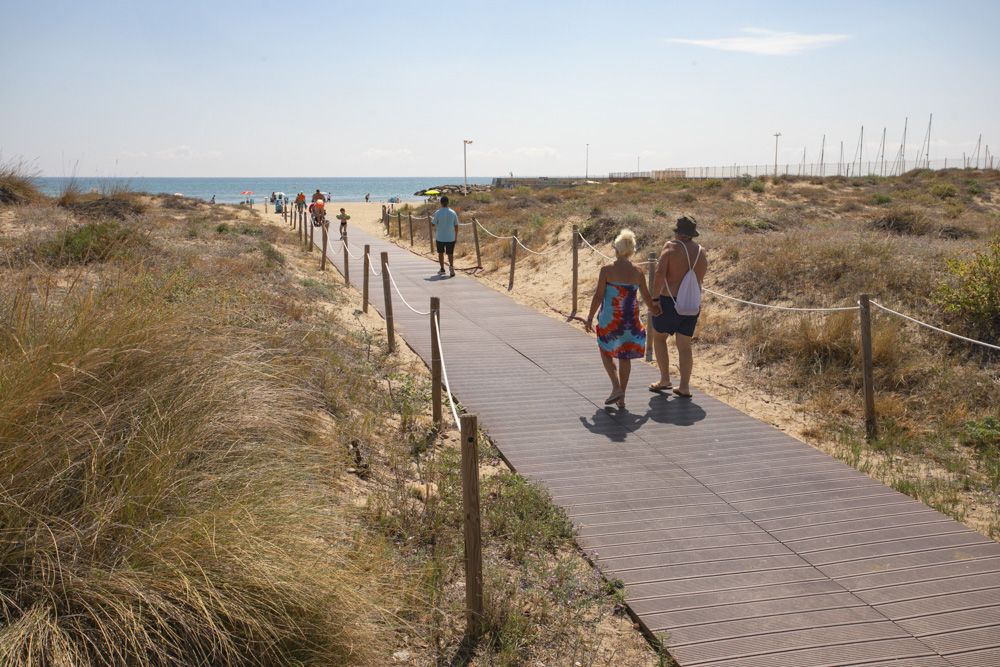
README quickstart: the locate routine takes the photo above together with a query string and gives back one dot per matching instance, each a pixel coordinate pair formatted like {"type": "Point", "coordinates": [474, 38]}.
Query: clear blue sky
{"type": "Point", "coordinates": [255, 88]}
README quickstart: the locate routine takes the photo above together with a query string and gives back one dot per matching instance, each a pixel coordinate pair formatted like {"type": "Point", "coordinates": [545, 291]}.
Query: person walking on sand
{"type": "Point", "coordinates": [620, 334]}
{"type": "Point", "coordinates": [368, 196]}
{"type": "Point", "coordinates": [445, 223]}
{"type": "Point", "coordinates": [679, 275]}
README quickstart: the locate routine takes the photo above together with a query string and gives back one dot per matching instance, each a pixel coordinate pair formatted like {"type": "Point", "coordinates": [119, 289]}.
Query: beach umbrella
{"type": "Point", "coordinates": [247, 192]}
{"type": "Point", "coordinates": [432, 192]}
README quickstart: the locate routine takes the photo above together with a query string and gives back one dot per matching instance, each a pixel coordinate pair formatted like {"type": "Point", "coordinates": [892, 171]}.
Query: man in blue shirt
{"type": "Point", "coordinates": [445, 223]}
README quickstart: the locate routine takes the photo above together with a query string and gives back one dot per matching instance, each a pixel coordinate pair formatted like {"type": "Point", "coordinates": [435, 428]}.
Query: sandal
{"type": "Point", "coordinates": [681, 393]}
{"type": "Point", "coordinates": [618, 396]}
{"type": "Point", "coordinates": [658, 388]}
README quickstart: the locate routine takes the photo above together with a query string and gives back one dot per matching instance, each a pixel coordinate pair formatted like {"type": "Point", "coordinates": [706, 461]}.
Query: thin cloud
{"type": "Point", "coordinates": [182, 152]}
{"type": "Point", "coordinates": [388, 154]}
{"type": "Point", "coordinates": [768, 42]}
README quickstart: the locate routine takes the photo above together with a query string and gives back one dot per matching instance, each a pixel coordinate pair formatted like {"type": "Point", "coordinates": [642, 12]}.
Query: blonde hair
{"type": "Point", "coordinates": [624, 243]}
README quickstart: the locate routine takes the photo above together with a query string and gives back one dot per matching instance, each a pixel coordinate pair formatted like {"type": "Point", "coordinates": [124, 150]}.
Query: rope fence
{"type": "Point", "coordinates": [577, 238]}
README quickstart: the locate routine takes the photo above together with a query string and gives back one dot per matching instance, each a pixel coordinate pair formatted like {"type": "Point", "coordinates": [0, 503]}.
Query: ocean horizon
{"type": "Point", "coordinates": [226, 190]}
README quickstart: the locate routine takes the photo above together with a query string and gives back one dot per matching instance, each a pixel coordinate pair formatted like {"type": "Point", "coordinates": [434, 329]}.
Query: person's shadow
{"type": "Point", "coordinates": [674, 410]}
{"type": "Point", "coordinates": [614, 424]}
{"type": "Point", "coordinates": [436, 277]}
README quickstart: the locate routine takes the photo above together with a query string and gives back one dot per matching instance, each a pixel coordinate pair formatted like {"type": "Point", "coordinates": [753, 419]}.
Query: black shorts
{"type": "Point", "coordinates": [446, 247]}
{"type": "Point", "coordinates": [669, 322]}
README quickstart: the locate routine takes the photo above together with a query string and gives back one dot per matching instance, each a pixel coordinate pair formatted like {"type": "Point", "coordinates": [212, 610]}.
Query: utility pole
{"type": "Point", "coordinates": [586, 169]}
{"type": "Point", "coordinates": [465, 166]}
{"type": "Point", "coordinates": [776, 135]}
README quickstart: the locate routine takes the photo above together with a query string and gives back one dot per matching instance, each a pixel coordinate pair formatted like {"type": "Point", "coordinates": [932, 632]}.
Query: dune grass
{"type": "Point", "coordinates": [165, 500]}
{"type": "Point", "coordinates": [17, 184]}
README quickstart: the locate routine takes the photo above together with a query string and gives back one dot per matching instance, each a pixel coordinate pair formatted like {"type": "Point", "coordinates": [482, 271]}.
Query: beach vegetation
{"type": "Point", "coordinates": [17, 184]}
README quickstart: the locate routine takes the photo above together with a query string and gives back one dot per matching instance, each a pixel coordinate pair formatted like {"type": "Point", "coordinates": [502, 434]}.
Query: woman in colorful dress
{"type": "Point", "coordinates": [620, 334]}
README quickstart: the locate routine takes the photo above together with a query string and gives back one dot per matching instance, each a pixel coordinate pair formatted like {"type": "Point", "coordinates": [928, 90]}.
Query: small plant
{"type": "Point", "coordinates": [17, 183]}
{"type": "Point", "coordinates": [659, 212]}
{"type": "Point", "coordinates": [973, 188]}
{"type": "Point", "coordinates": [758, 186]}
{"type": "Point", "coordinates": [880, 199]}
{"type": "Point", "coordinates": [971, 295]}
{"type": "Point", "coordinates": [222, 228]}
{"type": "Point", "coordinates": [272, 254]}
{"type": "Point", "coordinates": [944, 191]}
{"type": "Point", "coordinates": [91, 242]}
{"type": "Point", "coordinates": [902, 221]}
{"type": "Point", "coordinates": [752, 225]}
{"type": "Point", "coordinates": [688, 197]}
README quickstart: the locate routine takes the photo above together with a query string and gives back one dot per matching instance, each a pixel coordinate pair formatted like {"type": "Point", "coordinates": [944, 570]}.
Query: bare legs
{"type": "Point", "coordinates": [451, 262]}
{"type": "Point", "coordinates": [618, 376]}
{"type": "Point", "coordinates": [685, 360]}
{"type": "Point", "coordinates": [662, 357]}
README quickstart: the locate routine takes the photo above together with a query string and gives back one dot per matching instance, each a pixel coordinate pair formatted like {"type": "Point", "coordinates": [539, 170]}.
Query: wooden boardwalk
{"type": "Point", "coordinates": [736, 542]}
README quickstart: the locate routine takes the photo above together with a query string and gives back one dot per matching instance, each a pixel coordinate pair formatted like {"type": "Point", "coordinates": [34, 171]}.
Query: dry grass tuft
{"type": "Point", "coordinates": [17, 184]}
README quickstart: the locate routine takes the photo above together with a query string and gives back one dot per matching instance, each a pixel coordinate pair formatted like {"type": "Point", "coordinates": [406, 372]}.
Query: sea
{"type": "Point", "coordinates": [228, 190]}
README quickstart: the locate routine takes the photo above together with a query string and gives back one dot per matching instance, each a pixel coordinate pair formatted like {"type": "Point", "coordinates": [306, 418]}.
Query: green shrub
{"type": "Point", "coordinates": [881, 199]}
{"type": "Point", "coordinates": [659, 212]}
{"type": "Point", "coordinates": [757, 186]}
{"type": "Point", "coordinates": [91, 242]}
{"type": "Point", "coordinates": [272, 254]}
{"type": "Point", "coordinates": [944, 191]}
{"type": "Point", "coordinates": [971, 293]}
{"type": "Point", "coordinates": [982, 435]}
{"type": "Point", "coordinates": [222, 228]}
{"type": "Point", "coordinates": [524, 516]}
{"type": "Point", "coordinates": [713, 183]}
{"type": "Point", "coordinates": [973, 188]}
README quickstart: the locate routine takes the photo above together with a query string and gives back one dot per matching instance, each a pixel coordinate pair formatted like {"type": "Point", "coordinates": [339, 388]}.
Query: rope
{"type": "Point", "coordinates": [349, 250]}
{"type": "Point", "coordinates": [371, 265]}
{"type": "Point", "coordinates": [592, 247]}
{"type": "Point", "coordinates": [401, 297]}
{"type": "Point", "coordinates": [502, 238]}
{"type": "Point", "coordinates": [544, 252]}
{"type": "Point", "coordinates": [930, 326]}
{"type": "Point", "coordinates": [791, 308]}
{"type": "Point", "coordinates": [444, 374]}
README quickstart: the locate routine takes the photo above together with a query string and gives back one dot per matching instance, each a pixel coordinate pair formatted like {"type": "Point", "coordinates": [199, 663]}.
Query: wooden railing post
{"type": "Point", "coordinates": [367, 267]}
{"type": "Point", "coordinates": [865, 314]}
{"type": "Point", "coordinates": [326, 240]}
{"type": "Point", "coordinates": [650, 272]}
{"type": "Point", "coordinates": [473, 534]}
{"type": "Point", "coordinates": [347, 261]}
{"type": "Point", "coordinates": [435, 363]}
{"type": "Point", "coordinates": [301, 220]}
{"type": "Point", "coordinates": [385, 220]}
{"type": "Point", "coordinates": [387, 294]}
{"type": "Point", "coordinates": [475, 237]}
{"type": "Point", "coordinates": [576, 269]}
{"type": "Point", "coordinates": [430, 231]}
{"type": "Point", "coordinates": [513, 260]}
{"type": "Point", "coordinates": [399, 225]}
{"type": "Point", "coordinates": [312, 229]}
{"type": "Point", "coordinates": [409, 216]}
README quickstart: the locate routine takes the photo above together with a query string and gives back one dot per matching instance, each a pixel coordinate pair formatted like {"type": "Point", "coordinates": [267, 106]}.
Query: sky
{"type": "Point", "coordinates": [257, 88]}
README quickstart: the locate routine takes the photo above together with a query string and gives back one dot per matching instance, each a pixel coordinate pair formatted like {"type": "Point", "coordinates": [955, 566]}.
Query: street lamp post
{"type": "Point", "coordinates": [776, 135]}
{"type": "Point", "coordinates": [586, 169]}
{"type": "Point", "coordinates": [465, 166]}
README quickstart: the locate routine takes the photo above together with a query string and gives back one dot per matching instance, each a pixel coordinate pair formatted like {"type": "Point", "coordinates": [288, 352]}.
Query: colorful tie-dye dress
{"type": "Point", "coordinates": [620, 333]}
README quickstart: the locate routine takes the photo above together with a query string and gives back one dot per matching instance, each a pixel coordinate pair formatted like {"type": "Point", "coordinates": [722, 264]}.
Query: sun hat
{"type": "Point", "coordinates": [686, 226]}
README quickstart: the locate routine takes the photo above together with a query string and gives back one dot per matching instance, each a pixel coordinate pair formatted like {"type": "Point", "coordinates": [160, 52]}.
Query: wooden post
{"type": "Point", "coordinates": [576, 268]}
{"type": "Point", "coordinates": [300, 220]}
{"type": "Point", "coordinates": [387, 294]}
{"type": "Point", "coordinates": [326, 236]}
{"type": "Point", "coordinates": [866, 365]}
{"type": "Point", "coordinates": [650, 272]}
{"type": "Point", "coordinates": [475, 237]}
{"type": "Point", "coordinates": [473, 534]}
{"type": "Point", "coordinates": [312, 229]}
{"type": "Point", "coordinates": [409, 216]}
{"type": "Point", "coordinates": [384, 223]}
{"type": "Point", "coordinates": [367, 268]}
{"type": "Point", "coordinates": [513, 260]}
{"type": "Point", "coordinates": [265, 204]}
{"type": "Point", "coordinates": [430, 231]}
{"type": "Point", "coordinates": [435, 364]}
{"type": "Point", "coordinates": [347, 261]}
{"type": "Point", "coordinates": [399, 225]}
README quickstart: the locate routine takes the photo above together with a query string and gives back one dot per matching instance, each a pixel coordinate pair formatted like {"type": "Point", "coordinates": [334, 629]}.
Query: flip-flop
{"type": "Point", "coordinates": [658, 388]}
{"type": "Point", "coordinates": [681, 393]}
{"type": "Point", "coordinates": [614, 398]}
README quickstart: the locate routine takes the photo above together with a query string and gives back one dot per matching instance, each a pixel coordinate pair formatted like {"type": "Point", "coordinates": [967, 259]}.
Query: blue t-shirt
{"type": "Point", "coordinates": [445, 221]}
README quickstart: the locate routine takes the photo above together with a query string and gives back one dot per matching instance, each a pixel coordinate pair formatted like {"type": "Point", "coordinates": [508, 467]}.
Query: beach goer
{"type": "Point", "coordinates": [300, 201]}
{"type": "Point", "coordinates": [213, 199]}
{"type": "Point", "coordinates": [343, 217]}
{"type": "Point", "coordinates": [681, 259]}
{"type": "Point", "coordinates": [368, 196]}
{"type": "Point", "coordinates": [620, 334]}
{"type": "Point", "coordinates": [445, 223]}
